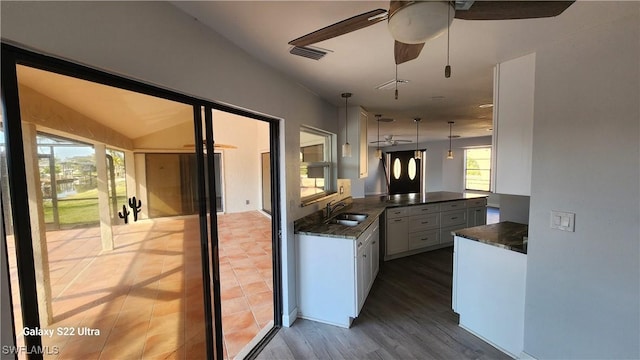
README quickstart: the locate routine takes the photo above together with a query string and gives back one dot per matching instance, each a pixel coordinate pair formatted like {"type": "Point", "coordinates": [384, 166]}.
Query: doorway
{"type": "Point", "coordinates": [152, 288]}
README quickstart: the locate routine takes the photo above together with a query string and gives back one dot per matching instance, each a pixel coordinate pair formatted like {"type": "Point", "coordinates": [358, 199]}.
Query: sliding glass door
{"type": "Point", "coordinates": [111, 192]}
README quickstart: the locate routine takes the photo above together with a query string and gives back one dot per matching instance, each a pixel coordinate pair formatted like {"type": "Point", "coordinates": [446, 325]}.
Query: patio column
{"type": "Point", "coordinates": [106, 234]}
{"type": "Point", "coordinates": [38, 227]}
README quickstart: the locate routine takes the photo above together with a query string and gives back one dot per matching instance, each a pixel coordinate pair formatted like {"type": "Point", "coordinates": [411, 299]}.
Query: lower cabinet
{"type": "Point", "coordinates": [417, 228]}
{"type": "Point", "coordinates": [335, 275]}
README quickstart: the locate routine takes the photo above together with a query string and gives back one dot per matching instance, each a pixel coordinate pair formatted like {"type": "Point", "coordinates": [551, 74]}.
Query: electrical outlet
{"type": "Point", "coordinates": [248, 202]}
{"type": "Point", "coordinates": [563, 220]}
{"type": "Point", "coordinates": [341, 189]}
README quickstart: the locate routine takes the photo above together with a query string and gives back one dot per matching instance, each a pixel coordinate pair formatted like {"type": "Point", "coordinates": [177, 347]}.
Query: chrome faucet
{"type": "Point", "coordinates": [333, 207]}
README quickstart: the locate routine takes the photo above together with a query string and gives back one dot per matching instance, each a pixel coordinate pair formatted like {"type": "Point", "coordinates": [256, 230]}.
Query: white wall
{"type": "Point", "coordinates": [158, 44]}
{"type": "Point", "coordinates": [442, 174]}
{"type": "Point", "coordinates": [583, 287]}
{"type": "Point", "coordinates": [241, 166]}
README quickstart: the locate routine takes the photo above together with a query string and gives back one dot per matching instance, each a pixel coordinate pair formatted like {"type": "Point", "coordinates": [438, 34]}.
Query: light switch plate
{"type": "Point", "coordinates": [563, 220]}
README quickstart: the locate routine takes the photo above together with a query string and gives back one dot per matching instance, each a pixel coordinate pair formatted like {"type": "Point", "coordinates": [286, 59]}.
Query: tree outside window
{"type": "Point", "coordinates": [477, 169]}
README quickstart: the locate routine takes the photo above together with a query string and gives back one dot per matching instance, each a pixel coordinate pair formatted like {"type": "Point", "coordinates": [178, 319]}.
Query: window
{"type": "Point", "coordinates": [477, 169]}
{"type": "Point", "coordinates": [316, 178]}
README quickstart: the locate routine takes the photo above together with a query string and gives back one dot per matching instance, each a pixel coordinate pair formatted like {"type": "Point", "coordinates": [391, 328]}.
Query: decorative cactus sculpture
{"type": "Point", "coordinates": [135, 205]}
{"type": "Point", "coordinates": [124, 214]}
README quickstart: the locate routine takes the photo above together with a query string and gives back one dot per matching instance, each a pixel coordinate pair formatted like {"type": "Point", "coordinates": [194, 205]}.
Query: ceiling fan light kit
{"type": "Point", "coordinates": [420, 21]}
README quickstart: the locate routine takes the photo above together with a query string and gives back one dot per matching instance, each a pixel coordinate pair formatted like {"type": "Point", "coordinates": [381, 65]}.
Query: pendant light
{"type": "Point", "coordinates": [417, 154]}
{"type": "Point", "coordinates": [447, 69]}
{"type": "Point", "coordinates": [450, 153]}
{"type": "Point", "coordinates": [378, 150]}
{"type": "Point", "coordinates": [346, 147]}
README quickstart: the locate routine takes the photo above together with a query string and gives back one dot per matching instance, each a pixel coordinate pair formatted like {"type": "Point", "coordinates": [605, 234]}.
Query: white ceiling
{"type": "Point", "coordinates": [359, 61]}
{"type": "Point", "coordinates": [129, 113]}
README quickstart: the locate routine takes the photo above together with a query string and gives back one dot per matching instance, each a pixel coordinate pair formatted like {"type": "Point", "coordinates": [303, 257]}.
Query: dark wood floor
{"type": "Point", "coordinates": [406, 316]}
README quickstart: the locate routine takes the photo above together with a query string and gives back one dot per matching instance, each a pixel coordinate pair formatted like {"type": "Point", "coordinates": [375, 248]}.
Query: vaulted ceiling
{"type": "Point", "coordinates": [359, 61]}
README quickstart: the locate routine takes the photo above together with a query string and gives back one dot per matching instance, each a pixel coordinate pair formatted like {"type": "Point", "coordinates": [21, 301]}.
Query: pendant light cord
{"type": "Point", "coordinates": [396, 81]}
{"type": "Point", "coordinates": [447, 68]}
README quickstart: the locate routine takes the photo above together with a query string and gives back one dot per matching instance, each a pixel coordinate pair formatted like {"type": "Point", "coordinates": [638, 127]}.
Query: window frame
{"type": "Point", "coordinates": [489, 169]}
{"type": "Point", "coordinates": [330, 177]}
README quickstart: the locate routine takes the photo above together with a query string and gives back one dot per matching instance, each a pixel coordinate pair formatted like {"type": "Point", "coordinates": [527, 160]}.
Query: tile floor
{"type": "Point", "coordinates": [142, 295]}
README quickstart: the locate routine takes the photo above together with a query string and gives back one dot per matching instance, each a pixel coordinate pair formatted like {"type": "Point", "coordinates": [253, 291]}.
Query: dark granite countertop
{"type": "Point", "coordinates": [373, 206]}
{"type": "Point", "coordinates": [507, 235]}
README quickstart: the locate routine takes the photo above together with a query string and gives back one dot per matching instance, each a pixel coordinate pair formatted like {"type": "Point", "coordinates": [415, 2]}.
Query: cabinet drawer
{"type": "Point", "coordinates": [424, 222]}
{"type": "Point", "coordinates": [424, 209]}
{"type": "Point", "coordinates": [394, 213]}
{"type": "Point", "coordinates": [424, 239]}
{"type": "Point", "coordinates": [453, 205]}
{"type": "Point", "coordinates": [476, 202]}
{"type": "Point", "coordinates": [454, 217]}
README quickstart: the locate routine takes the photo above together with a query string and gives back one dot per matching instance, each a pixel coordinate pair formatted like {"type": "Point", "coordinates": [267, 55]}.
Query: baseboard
{"type": "Point", "coordinates": [525, 356]}
{"type": "Point", "coordinates": [287, 320]}
{"type": "Point", "coordinates": [489, 342]}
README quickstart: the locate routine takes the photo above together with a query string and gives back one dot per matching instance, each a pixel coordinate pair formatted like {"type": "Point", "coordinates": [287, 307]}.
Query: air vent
{"type": "Point", "coordinates": [391, 84]}
{"type": "Point", "coordinates": [307, 52]}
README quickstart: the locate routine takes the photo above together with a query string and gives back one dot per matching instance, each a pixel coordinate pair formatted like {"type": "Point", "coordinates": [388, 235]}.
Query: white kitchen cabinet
{"type": "Point", "coordinates": [476, 212]}
{"type": "Point", "coordinates": [335, 275]}
{"type": "Point", "coordinates": [397, 235]}
{"type": "Point", "coordinates": [356, 166]}
{"type": "Point", "coordinates": [513, 90]}
{"type": "Point", "coordinates": [489, 293]}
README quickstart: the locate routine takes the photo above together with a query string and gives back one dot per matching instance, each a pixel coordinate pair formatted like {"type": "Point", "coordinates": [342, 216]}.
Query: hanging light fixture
{"type": "Point", "coordinates": [378, 150]}
{"type": "Point", "coordinates": [346, 147]}
{"type": "Point", "coordinates": [450, 153]}
{"type": "Point", "coordinates": [417, 154]}
{"type": "Point", "coordinates": [447, 69]}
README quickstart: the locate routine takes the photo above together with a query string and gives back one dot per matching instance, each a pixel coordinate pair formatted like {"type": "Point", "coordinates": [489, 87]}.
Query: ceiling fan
{"type": "Point", "coordinates": [389, 140]}
{"type": "Point", "coordinates": [412, 23]}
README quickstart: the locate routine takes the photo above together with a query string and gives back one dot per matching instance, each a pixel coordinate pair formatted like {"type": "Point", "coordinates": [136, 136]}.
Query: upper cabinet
{"type": "Point", "coordinates": [356, 166]}
{"type": "Point", "coordinates": [514, 84]}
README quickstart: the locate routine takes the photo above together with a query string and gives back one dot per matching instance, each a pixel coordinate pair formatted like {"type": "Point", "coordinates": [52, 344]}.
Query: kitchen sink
{"type": "Point", "coordinates": [351, 216]}
{"type": "Point", "coordinates": [347, 219]}
{"type": "Point", "coordinates": [344, 222]}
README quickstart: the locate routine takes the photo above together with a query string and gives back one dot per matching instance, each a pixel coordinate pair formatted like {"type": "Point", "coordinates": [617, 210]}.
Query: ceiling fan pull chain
{"type": "Point", "coordinates": [447, 69]}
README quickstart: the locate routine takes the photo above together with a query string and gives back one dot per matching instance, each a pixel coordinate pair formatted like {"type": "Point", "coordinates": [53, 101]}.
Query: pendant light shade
{"type": "Point", "coordinates": [450, 153]}
{"type": "Point", "coordinates": [346, 147]}
{"type": "Point", "coordinates": [417, 154]}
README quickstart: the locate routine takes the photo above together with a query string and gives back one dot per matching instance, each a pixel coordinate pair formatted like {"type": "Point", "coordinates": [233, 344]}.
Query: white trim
{"type": "Point", "coordinates": [525, 356]}
{"type": "Point", "coordinates": [287, 320]}
{"type": "Point", "coordinates": [256, 339]}
{"type": "Point", "coordinates": [488, 342]}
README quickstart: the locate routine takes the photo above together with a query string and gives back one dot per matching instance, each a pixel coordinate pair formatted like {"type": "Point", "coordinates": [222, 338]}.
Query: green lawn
{"type": "Point", "coordinates": [81, 208]}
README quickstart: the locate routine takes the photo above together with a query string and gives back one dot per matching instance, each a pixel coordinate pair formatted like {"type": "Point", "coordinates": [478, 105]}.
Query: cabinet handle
{"type": "Point", "coordinates": [424, 239]}
{"type": "Point", "coordinates": [453, 218]}
{"type": "Point", "coordinates": [425, 222]}
{"type": "Point", "coordinates": [360, 244]}
{"type": "Point", "coordinates": [397, 220]}
{"type": "Point", "coordinates": [373, 243]}
{"type": "Point", "coordinates": [364, 255]}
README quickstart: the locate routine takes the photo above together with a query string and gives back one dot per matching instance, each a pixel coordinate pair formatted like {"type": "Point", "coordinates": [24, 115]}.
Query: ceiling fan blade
{"type": "Point", "coordinates": [340, 28]}
{"type": "Point", "coordinates": [511, 10]}
{"type": "Point", "coordinates": [406, 52]}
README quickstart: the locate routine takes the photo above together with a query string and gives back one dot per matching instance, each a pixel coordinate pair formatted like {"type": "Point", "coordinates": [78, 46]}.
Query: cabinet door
{"type": "Point", "coordinates": [364, 160]}
{"type": "Point", "coordinates": [476, 216]}
{"type": "Point", "coordinates": [397, 236]}
{"type": "Point", "coordinates": [375, 253]}
{"type": "Point", "coordinates": [363, 269]}
{"type": "Point", "coordinates": [514, 85]}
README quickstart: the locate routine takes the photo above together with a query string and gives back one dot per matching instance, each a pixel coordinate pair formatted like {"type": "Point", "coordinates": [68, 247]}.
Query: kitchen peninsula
{"type": "Point", "coordinates": [489, 274]}
{"type": "Point", "coordinates": [338, 258]}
